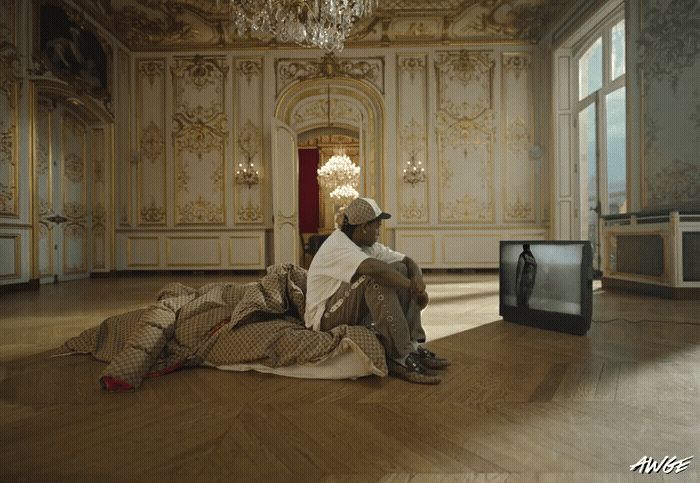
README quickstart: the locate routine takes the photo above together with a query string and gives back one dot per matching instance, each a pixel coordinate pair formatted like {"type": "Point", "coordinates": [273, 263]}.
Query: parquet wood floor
{"type": "Point", "coordinates": [518, 403]}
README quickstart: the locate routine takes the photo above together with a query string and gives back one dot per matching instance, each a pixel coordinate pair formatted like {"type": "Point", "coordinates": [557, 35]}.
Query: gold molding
{"type": "Point", "coordinates": [83, 181]}
{"type": "Point", "coordinates": [491, 218]}
{"type": "Point", "coordinates": [292, 70]}
{"type": "Point", "coordinates": [413, 63]}
{"type": "Point", "coordinates": [211, 122]}
{"type": "Point", "coordinates": [517, 62]}
{"type": "Point", "coordinates": [125, 216]}
{"type": "Point", "coordinates": [168, 251]}
{"type": "Point", "coordinates": [16, 225]}
{"type": "Point", "coordinates": [261, 250]}
{"type": "Point", "coordinates": [469, 66]}
{"type": "Point", "coordinates": [99, 200]}
{"type": "Point", "coordinates": [81, 216]}
{"type": "Point", "coordinates": [37, 109]}
{"type": "Point", "coordinates": [376, 139]}
{"type": "Point", "coordinates": [83, 268]}
{"type": "Point", "coordinates": [201, 230]}
{"type": "Point", "coordinates": [18, 256]}
{"type": "Point", "coordinates": [438, 228]}
{"type": "Point", "coordinates": [11, 137]}
{"type": "Point", "coordinates": [467, 237]}
{"type": "Point", "coordinates": [432, 244]}
{"type": "Point", "coordinates": [129, 258]}
{"type": "Point", "coordinates": [249, 67]}
{"type": "Point", "coordinates": [148, 69]}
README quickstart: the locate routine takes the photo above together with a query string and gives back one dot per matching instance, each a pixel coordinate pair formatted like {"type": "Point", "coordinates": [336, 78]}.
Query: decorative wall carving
{"type": "Point", "coordinates": [412, 135]}
{"type": "Point", "coordinates": [122, 134]}
{"type": "Point", "coordinates": [314, 112]}
{"type": "Point", "coordinates": [465, 136]}
{"type": "Point", "coordinates": [99, 200]}
{"type": "Point", "coordinates": [44, 182]}
{"type": "Point", "coordinates": [74, 188]}
{"type": "Point", "coordinates": [9, 87]}
{"type": "Point", "coordinates": [151, 186]}
{"type": "Point", "coordinates": [141, 25]}
{"type": "Point", "coordinates": [508, 19]}
{"type": "Point", "coordinates": [370, 69]}
{"type": "Point", "coordinates": [248, 198]}
{"type": "Point", "coordinates": [519, 171]}
{"type": "Point", "coordinates": [199, 138]}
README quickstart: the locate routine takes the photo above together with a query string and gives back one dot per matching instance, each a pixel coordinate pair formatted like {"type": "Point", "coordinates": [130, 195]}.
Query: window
{"type": "Point", "coordinates": [601, 126]}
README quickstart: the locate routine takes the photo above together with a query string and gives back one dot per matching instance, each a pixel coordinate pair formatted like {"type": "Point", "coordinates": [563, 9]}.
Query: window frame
{"type": "Point", "coordinates": [602, 30]}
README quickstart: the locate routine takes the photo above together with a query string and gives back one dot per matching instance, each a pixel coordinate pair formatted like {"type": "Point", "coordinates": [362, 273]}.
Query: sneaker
{"type": "Point", "coordinates": [430, 360]}
{"type": "Point", "coordinates": [413, 371]}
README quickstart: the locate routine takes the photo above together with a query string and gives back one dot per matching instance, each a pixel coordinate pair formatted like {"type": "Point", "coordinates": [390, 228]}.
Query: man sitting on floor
{"type": "Point", "coordinates": [353, 279]}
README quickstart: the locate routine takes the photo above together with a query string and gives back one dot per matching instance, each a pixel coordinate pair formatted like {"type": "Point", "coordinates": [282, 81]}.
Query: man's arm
{"type": "Point", "coordinates": [414, 272]}
{"type": "Point", "coordinates": [384, 273]}
{"type": "Point", "coordinates": [413, 268]}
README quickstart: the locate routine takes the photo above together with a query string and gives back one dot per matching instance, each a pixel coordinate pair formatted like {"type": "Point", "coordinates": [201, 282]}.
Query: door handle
{"type": "Point", "coordinates": [57, 219]}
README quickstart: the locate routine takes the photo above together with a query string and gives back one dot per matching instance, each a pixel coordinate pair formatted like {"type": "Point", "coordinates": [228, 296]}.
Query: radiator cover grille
{"type": "Point", "coordinates": [691, 256]}
{"type": "Point", "coordinates": [640, 254]}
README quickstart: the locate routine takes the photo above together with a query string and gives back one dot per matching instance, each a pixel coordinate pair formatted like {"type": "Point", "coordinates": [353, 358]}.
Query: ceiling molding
{"type": "Point", "coordinates": [156, 25]}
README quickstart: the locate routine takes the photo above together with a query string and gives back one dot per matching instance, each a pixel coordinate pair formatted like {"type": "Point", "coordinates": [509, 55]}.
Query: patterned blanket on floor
{"type": "Point", "coordinates": [220, 324]}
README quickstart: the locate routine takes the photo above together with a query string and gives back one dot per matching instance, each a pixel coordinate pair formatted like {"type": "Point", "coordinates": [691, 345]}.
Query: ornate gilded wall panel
{"type": "Point", "coordinates": [465, 136]}
{"type": "Point", "coordinates": [369, 69]}
{"type": "Point", "coordinates": [9, 86]}
{"type": "Point", "coordinates": [248, 141]}
{"type": "Point", "coordinates": [199, 139]}
{"type": "Point", "coordinates": [44, 183]}
{"type": "Point", "coordinates": [123, 137]}
{"type": "Point", "coordinates": [151, 190]}
{"type": "Point", "coordinates": [518, 169]}
{"type": "Point", "coordinates": [74, 188]}
{"type": "Point", "coordinates": [412, 137]}
{"type": "Point", "coordinates": [99, 200]}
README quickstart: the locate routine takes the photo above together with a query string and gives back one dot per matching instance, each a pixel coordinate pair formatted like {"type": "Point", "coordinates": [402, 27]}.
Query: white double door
{"type": "Point", "coordinates": [62, 152]}
{"type": "Point", "coordinates": [285, 193]}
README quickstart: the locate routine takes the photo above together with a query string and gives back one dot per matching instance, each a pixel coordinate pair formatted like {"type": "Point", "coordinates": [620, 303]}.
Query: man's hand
{"type": "Point", "coordinates": [417, 285]}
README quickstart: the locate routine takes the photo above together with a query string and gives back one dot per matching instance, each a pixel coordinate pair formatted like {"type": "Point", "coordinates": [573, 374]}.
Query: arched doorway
{"type": "Point", "coordinates": [72, 152]}
{"type": "Point", "coordinates": [355, 106]}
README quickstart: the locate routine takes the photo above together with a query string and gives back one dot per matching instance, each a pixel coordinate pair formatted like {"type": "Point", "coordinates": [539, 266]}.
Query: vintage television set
{"type": "Point", "coordinates": [547, 284]}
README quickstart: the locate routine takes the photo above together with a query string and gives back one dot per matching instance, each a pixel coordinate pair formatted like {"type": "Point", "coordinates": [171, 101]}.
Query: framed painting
{"type": "Point", "coordinates": [71, 51]}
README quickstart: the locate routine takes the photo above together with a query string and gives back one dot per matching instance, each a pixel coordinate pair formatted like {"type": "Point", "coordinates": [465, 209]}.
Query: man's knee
{"type": "Point", "coordinates": [400, 267]}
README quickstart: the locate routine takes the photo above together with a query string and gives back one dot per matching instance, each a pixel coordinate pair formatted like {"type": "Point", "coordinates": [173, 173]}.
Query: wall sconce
{"type": "Point", "coordinates": [248, 142]}
{"type": "Point", "coordinates": [413, 173]}
{"type": "Point", "coordinates": [247, 175]}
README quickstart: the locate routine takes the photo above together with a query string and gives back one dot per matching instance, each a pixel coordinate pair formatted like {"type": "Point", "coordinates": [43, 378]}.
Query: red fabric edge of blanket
{"type": "Point", "coordinates": [113, 384]}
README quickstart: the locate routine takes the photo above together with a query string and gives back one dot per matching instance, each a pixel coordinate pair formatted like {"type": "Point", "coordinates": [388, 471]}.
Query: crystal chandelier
{"type": "Point", "coordinates": [413, 173]}
{"type": "Point", "coordinates": [338, 171]}
{"type": "Point", "coordinates": [314, 23]}
{"type": "Point", "coordinates": [344, 194]}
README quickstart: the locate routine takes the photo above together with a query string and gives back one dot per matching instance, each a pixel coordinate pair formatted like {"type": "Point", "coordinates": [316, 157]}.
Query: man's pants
{"type": "Point", "coordinates": [390, 312]}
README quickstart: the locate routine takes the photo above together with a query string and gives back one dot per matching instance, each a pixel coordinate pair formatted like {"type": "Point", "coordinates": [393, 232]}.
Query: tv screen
{"type": "Point", "coordinates": [547, 284]}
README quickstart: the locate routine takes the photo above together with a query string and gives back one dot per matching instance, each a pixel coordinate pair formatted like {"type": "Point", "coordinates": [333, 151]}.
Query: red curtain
{"type": "Point", "coordinates": [308, 190]}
